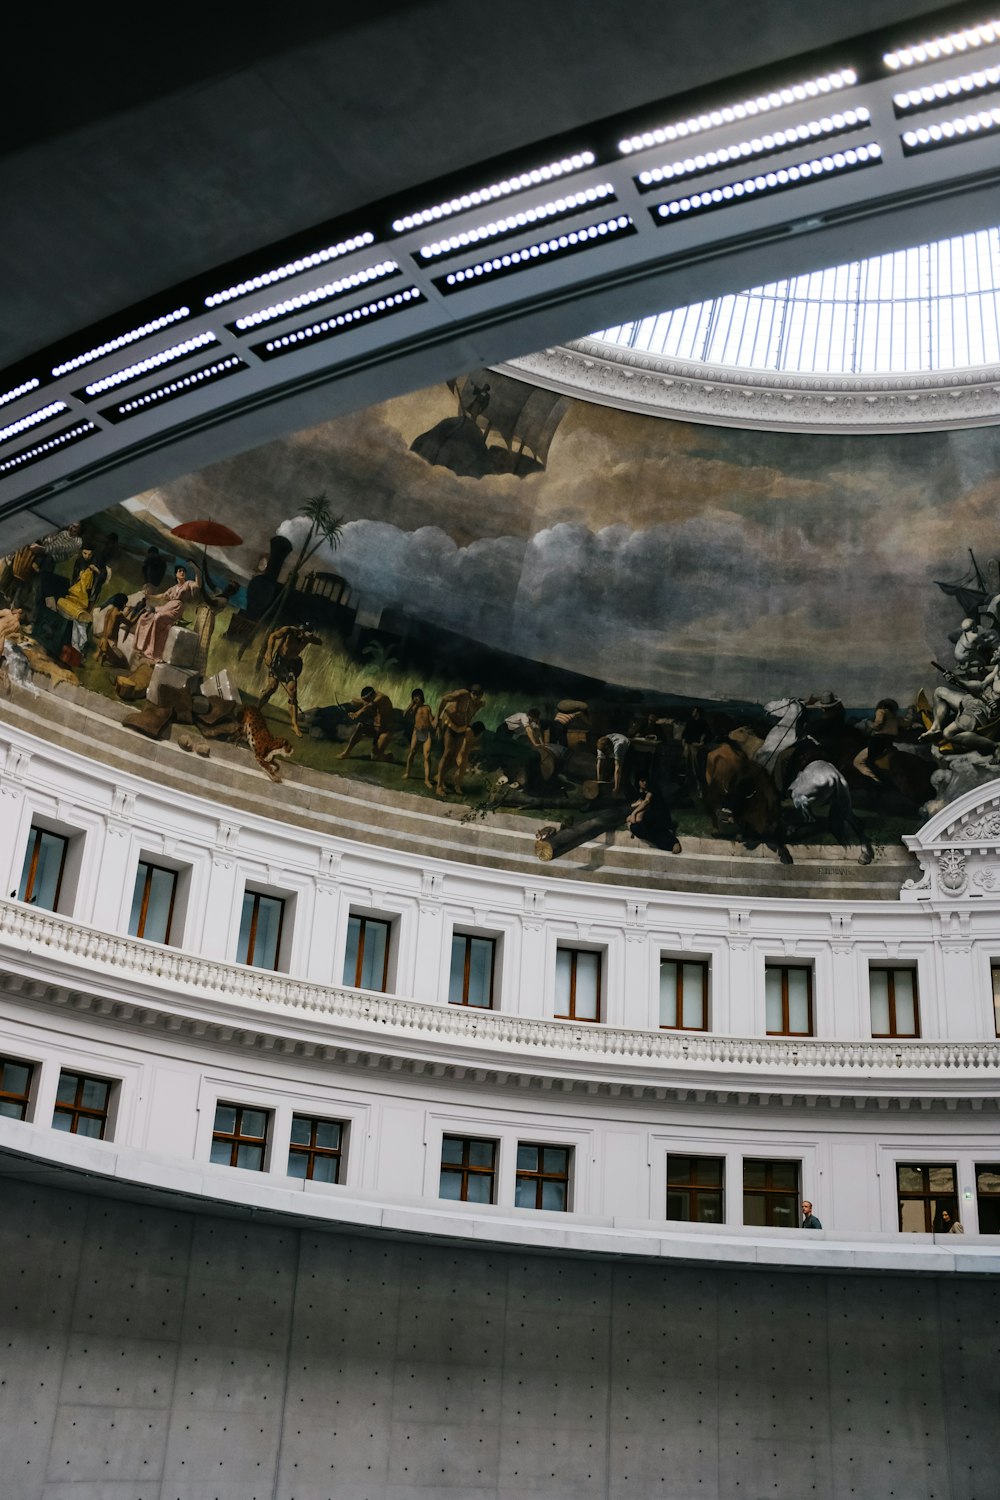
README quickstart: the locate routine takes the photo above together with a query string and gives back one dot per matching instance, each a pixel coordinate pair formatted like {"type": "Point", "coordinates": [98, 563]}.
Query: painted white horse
{"type": "Point", "coordinates": [787, 713]}
{"type": "Point", "coordinates": [818, 792]}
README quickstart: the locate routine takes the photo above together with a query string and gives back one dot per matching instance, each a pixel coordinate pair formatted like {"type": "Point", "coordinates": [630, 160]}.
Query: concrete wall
{"type": "Point", "coordinates": [159, 1355]}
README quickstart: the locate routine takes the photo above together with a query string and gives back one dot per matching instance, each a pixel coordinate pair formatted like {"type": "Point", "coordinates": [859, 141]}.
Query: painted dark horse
{"type": "Point", "coordinates": [739, 786]}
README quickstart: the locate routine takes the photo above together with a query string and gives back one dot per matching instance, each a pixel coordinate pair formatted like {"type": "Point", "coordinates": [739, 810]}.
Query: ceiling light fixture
{"type": "Point", "coordinates": [178, 387]}
{"type": "Point", "coordinates": [563, 244]}
{"type": "Point", "coordinates": [947, 132]}
{"type": "Point", "coordinates": [796, 93]}
{"type": "Point", "coordinates": [119, 343]}
{"type": "Point", "coordinates": [319, 294]}
{"type": "Point", "coordinates": [343, 322]}
{"type": "Point", "coordinates": [43, 414]}
{"type": "Point", "coordinates": [943, 46]}
{"type": "Point", "coordinates": [770, 182]}
{"type": "Point", "coordinates": [40, 450]}
{"type": "Point", "coordinates": [536, 177]}
{"type": "Point", "coordinates": [931, 94]}
{"type": "Point", "coordinates": [291, 268]}
{"type": "Point", "coordinates": [765, 145]}
{"type": "Point", "coordinates": [557, 208]}
{"type": "Point", "coordinates": [19, 390]}
{"type": "Point", "coordinates": [143, 366]}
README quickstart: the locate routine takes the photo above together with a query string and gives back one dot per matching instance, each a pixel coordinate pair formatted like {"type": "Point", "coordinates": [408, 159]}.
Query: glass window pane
{"type": "Point", "coordinates": [772, 992]}
{"type": "Point", "coordinates": [328, 1134]}
{"type": "Point", "coordinates": [325, 1168]}
{"type": "Point", "coordinates": [298, 1164]}
{"type": "Point", "coordinates": [910, 1179]}
{"type": "Point", "coordinates": [679, 1168]}
{"type": "Point", "coordinates": [265, 948]}
{"type": "Point", "coordinates": [246, 921]}
{"type": "Point", "coordinates": [373, 958]}
{"type": "Point", "coordinates": [564, 960]}
{"type": "Point", "coordinates": [709, 1208]}
{"type": "Point", "coordinates": [906, 1003]}
{"type": "Point", "coordinates": [351, 952]}
{"type": "Point", "coordinates": [14, 1078]}
{"type": "Point", "coordinates": [555, 1159]}
{"type": "Point", "coordinates": [878, 983]}
{"type": "Point", "coordinates": [988, 1179]}
{"type": "Point", "coordinates": [51, 849]}
{"type": "Point", "coordinates": [135, 915]}
{"type": "Point", "coordinates": [480, 1188]}
{"type": "Point", "coordinates": [784, 1211]}
{"type": "Point", "coordinates": [225, 1118]}
{"type": "Point", "coordinates": [481, 1153]}
{"type": "Point", "coordinates": [554, 1195]}
{"type": "Point", "coordinates": [754, 1173]}
{"type": "Point", "coordinates": [251, 1157]}
{"type": "Point", "coordinates": [451, 1149]}
{"type": "Point", "coordinates": [88, 1125]}
{"type": "Point", "coordinates": [678, 1206]}
{"type": "Point", "coordinates": [161, 895]}
{"type": "Point", "coordinates": [527, 1158]}
{"type": "Point", "coordinates": [668, 993]}
{"type": "Point", "coordinates": [66, 1092]}
{"type": "Point", "coordinates": [456, 975]}
{"type": "Point", "coordinates": [254, 1122]}
{"type": "Point", "coordinates": [912, 1218]}
{"type": "Point", "coordinates": [95, 1093]}
{"type": "Point", "coordinates": [693, 1009]}
{"type": "Point", "coordinates": [451, 1186]}
{"type": "Point", "coordinates": [525, 1190]}
{"type": "Point", "coordinates": [480, 971]}
{"type": "Point", "coordinates": [754, 1209]}
{"type": "Point", "coordinates": [798, 1000]}
{"type": "Point", "coordinates": [61, 1121]}
{"type": "Point", "coordinates": [708, 1169]}
{"type": "Point", "coordinates": [10, 1109]}
{"type": "Point", "coordinates": [942, 1179]}
{"type": "Point", "coordinates": [301, 1130]}
{"type": "Point", "coordinates": [785, 1174]}
{"type": "Point", "coordinates": [588, 971]}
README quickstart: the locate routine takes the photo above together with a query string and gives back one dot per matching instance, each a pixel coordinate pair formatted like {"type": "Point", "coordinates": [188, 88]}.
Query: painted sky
{"type": "Point", "coordinates": [715, 562]}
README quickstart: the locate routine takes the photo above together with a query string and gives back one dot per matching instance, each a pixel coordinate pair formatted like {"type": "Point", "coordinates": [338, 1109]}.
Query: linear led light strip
{"type": "Point", "coordinates": [511, 225]}
{"type": "Point", "coordinates": [27, 455]}
{"type": "Point", "coordinates": [123, 339]}
{"type": "Point", "coordinates": [346, 319]}
{"type": "Point", "coordinates": [32, 419]}
{"type": "Point", "coordinates": [796, 93]}
{"type": "Point", "coordinates": [769, 182]}
{"type": "Point", "coordinates": [518, 184]}
{"type": "Point", "coordinates": [319, 294]}
{"type": "Point", "coordinates": [950, 88]}
{"type": "Point", "coordinates": [576, 239]}
{"type": "Point", "coordinates": [291, 268]}
{"type": "Point", "coordinates": [942, 46]}
{"type": "Point", "coordinates": [19, 390]}
{"type": "Point", "coordinates": [763, 145]}
{"type": "Point", "coordinates": [945, 132]}
{"type": "Point", "coordinates": [143, 367]}
{"type": "Point", "coordinates": [181, 384]}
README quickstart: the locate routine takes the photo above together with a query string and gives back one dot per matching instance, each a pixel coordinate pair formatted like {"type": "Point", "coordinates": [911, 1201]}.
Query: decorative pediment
{"type": "Point", "coordinates": [959, 849]}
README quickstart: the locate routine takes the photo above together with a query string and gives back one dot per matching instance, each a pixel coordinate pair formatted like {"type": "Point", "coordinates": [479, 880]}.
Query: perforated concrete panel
{"type": "Point", "coordinates": [152, 1355]}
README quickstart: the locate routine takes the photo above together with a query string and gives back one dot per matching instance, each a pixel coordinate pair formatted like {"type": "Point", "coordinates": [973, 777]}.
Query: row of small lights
{"type": "Point", "coordinates": [20, 390]}
{"type": "Point", "coordinates": [794, 94]}
{"type": "Point", "coordinates": [32, 419]}
{"type": "Point", "coordinates": [949, 88]}
{"type": "Point", "coordinates": [517, 221]}
{"type": "Point", "coordinates": [951, 130]}
{"type": "Point", "coordinates": [576, 239]}
{"type": "Point", "coordinates": [768, 181]}
{"type": "Point", "coordinates": [319, 294]}
{"type": "Point", "coordinates": [943, 46]}
{"type": "Point", "coordinates": [82, 429]}
{"type": "Point", "coordinates": [851, 119]}
{"type": "Point", "coordinates": [291, 268]}
{"type": "Point", "coordinates": [120, 343]}
{"type": "Point", "coordinates": [345, 319]}
{"type": "Point", "coordinates": [536, 177]}
{"type": "Point", "coordinates": [143, 366]}
{"type": "Point", "coordinates": [182, 383]}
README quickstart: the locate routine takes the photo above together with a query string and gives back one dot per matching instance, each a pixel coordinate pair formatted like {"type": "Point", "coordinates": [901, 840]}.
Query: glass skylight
{"type": "Point", "coordinates": [934, 307]}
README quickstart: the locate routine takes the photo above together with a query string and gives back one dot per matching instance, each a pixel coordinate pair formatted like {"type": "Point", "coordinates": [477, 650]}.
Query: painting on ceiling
{"type": "Point", "coordinates": [494, 597]}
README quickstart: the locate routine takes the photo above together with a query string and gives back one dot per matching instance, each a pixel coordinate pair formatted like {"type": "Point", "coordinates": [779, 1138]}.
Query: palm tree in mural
{"type": "Point", "coordinates": [325, 529]}
{"type": "Point", "coordinates": [380, 657]}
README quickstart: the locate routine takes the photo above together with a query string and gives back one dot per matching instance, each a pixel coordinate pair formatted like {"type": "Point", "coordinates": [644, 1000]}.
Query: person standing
{"type": "Point", "coordinates": [809, 1219]}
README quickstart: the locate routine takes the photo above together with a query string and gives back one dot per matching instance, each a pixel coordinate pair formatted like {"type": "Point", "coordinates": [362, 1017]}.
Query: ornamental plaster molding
{"type": "Point", "coordinates": [658, 386]}
{"type": "Point", "coordinates": [958, 849]}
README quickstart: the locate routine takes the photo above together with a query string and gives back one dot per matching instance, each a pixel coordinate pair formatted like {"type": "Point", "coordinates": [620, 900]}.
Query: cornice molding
{"type": "Point", "coordinates": [660, 387]}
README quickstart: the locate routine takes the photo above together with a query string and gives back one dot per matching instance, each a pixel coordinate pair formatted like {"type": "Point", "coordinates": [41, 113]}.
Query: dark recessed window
{"type": "Point", "coordinates": [42, 871]}
{"type": "Point", "coordinates": [366, 961]}
{"type": "Point", "coordinates": [694, 1189]}
{"type": "Point", "coordinates": [152, 913]}
{"type": "Point", "coordinates": [468, 1169]}
{"type": "Point", "coordinates": [789, 1000]}
{"type": "Point", "coordinates": [578, 985]}
{"type": "Point", "coordinates": [239, 1138]}
{"type": "Point", "coordinates": [15, 1088]}
{"type": "Point", "coordinates": [894, 1002]}
{"type": "Point", "coordinates": [82, 1105]}
{"type": "Point", "coordinates": [771, 1193]}
{"type": "Point", "coordinates": [924, 1192]}
{"type": "Point", "coordinates": [988, 1196]}
{"type": "Point", "coordinates": [259, 941]}
{"type": "Point", "coordinates": [471, 979]}
{"type": "Point", "coordinates": [683, 995]}
{"type": "Point", "coordinates": [542, 1179]}
{"type": "Point", "coordinates": [316, 1149]}
{"type": "Point", "coordinates": [995, 976]}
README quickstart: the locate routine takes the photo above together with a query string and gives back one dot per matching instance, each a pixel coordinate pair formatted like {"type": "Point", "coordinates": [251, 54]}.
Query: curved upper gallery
{"type": "Point", "coordinates": [546, 634]}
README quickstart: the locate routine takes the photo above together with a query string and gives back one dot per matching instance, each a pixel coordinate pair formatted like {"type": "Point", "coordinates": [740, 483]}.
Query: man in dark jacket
{"type": "Point", "coordinates": [809, 1219]}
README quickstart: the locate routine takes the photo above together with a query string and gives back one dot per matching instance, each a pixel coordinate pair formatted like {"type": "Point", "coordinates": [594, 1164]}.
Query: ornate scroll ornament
{"type": "Point", "coordinates": [952, 874]}
{"type": "Point", "coordinates": [981, 830]}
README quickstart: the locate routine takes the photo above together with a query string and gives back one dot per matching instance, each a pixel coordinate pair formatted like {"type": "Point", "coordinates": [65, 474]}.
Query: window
{"type": "Point", "coordinates": [694, 1189]}
{"type": "Point", "coordinates": [788, 1000]}
{"type": "Point", "coordinates": [42, 872]}
{"type": "Point", "coordinates": [683, 995]}
{"type": "Point", "coordinates": [988, 1197]}
{"type": "Point", "coordinates": [471, 978]}
{"type": "Point", "coordinates": [468, 1169]}
{"type": "Point", "coordinates": [316, 1150]}
{"type": "Point", "coordinates": [894, 1002]}
{"type": "Point", "coordinates": [771, 1193]}
{"type": "Point", "coordinates": [259, 941]}
{"type": "Point", "coordinates": [923, 1192]}
{"type": "Point", "coordinates": [366, 962]}
{"type": "Point", "coordinates": [240, 1136]}
{"type": "Point", "coordinates": [15, 1088]}
{"type": "Point", "coordinates": [578, 985]}
{"type": "Point", "coordinates": [82, 1105]}
{"type": "Point", "coordinates": [153, 899]}
{"type": "Point", "coordinates": [995, 976]}
{"type": "Point", "coordinates": [542, 1179]}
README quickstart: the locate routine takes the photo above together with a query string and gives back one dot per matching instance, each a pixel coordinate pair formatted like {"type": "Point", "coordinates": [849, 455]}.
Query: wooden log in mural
{"type": "Point", "coordinates": [551, 842]}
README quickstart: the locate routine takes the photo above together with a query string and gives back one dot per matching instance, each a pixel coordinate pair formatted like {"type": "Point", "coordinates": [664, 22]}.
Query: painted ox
{"type": "Point", "coordinates": [820, 793]}
{"type": "Point", "coordinates": [738, 785]}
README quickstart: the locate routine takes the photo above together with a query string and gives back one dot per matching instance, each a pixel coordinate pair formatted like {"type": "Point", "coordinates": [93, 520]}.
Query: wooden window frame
{"type": "Point", "coordinates": [891, 970]}
{"type": "Point", "coordinates": [259, 896]}
{"type": "Point", "coordinates": [365, 918]}
{"type": "Point", "coordinates": [927, 1195]}
{"type": "Point", "coordinates": [771, 1194]}
{"type": "Point", "coordinates": [236, 1138]}
{"type": "Point", "coordinates": [469, 1169]}
{"type": "Point", "coordinates": [995, 983]}
{"type": "Point", "coordinates": [35, 843]}
{"type": "Point", "coordinates": [784, 970]}
{"type": "Point", "coordinates": [78, 1110]}
{"type": "Point", "coordinates": [540, 1177]}
{"type": "Point", "coordinates": [993, 1199]}
{"type": "Point", "coordinates": [312, 1151]}
{"type": "Point", "coordinates": [468, 938]}
{"type": "Point", "coordinates": [149, 867]}
{"type": "Point", "coordinates": [571, 1014]}
{"type": "Point", "coordinates": [10, 1096]}
{"type": "Point", "coordinates": [704, 965]}
{"type": "Point", "coordinates": [692, 1188]}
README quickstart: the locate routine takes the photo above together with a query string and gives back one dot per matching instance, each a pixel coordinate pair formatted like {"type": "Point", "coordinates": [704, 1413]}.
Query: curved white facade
{"type": "Point", "coordinates": [178, 1029]}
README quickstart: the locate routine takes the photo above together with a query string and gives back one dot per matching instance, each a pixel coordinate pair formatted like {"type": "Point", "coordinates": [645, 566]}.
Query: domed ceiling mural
{"type": "Point", "coordinates": [500, 600]}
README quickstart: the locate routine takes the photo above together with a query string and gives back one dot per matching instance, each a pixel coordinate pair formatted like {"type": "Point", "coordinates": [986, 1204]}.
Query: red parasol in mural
{"type": "Point", "coordinates": [207, 534]}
